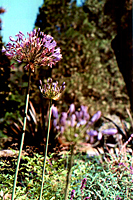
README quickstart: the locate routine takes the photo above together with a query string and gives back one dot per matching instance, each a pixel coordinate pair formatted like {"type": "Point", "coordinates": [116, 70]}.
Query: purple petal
{"type": "Point", "coordinates": [12, 39]}
{"type": "Point", "coordinates": [8, 54]}
{"type": "Point", "coordinates": [72, 194]}
{"type": "Point", "coordinates": [96, 116]}
{"type": "Point", "coordinates": [86, 116]}
{"type": "Point", "coordinates": [62, 129]}
{"type": "Point", "coordinates": [19, 61]}
{"type": "Point", "coordinates": [55, 112]}
{"type": "Point", "coordinates": [99, 137]}
{"type": "Point", "coordinates": [64, 115]}
{"type": "Point", "coordinates": [3, 49]}
{"type": "Point", "coordinates": [63, 118]}
{"type": "Point", "coordinates": [72, 108]}
{"type": "Point", "coordinates": [55, 122]}
{"type": "Point", "coordinates": [92, 133]}
{"type": "Point", "coordinates": [49, 37]}
{"type": "Point", "coordinates": [73, 118]}
{"type": "Point", "coordinates": [81, 122]}
{"type": "Point", "coordinates": [84, 108]}
{"type": "Point", "coordinates": [21, 33]}
{"type": "Point", "coordinates": [110, 131]}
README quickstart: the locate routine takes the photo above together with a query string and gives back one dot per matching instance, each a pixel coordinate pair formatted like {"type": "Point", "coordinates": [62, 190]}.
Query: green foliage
{"type": "Point", "coordinates": [105, 179]}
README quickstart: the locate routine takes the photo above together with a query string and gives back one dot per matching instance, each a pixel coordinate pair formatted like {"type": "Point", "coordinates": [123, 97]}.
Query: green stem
{"type": "Point", "coordinates": [22, 138]}
{"type": "Point", "coordinates": [69, 172]}
{"type": "Point", "coordinates": [46, 150]}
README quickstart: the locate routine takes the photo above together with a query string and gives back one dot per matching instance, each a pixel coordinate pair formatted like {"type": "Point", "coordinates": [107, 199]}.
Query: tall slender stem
{"type": "Point", "coordinates": [23, 134]}
{"type": "Point", "coordinates": [46, 150]}
{"type": "Point", "coordinates": [69, 172]}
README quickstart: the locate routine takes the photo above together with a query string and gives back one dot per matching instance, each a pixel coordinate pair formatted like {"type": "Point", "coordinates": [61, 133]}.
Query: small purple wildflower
{"type": "Point", "coordinates": [72, 194]}
{"type": "Point", "coordinates": [38, 49]}
{"type": "Point", "coordinates": [83, 184]}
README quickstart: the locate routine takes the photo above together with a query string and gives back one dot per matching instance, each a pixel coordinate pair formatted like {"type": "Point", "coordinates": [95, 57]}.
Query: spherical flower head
{"type": "Point", "coordinates": [38, 49]}
{"type": "Point", "coordinates": [51, 90]}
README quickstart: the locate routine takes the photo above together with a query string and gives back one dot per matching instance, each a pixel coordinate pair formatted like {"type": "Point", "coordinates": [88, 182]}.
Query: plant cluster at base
{"type": "Point", "coordinates": [76, 125]}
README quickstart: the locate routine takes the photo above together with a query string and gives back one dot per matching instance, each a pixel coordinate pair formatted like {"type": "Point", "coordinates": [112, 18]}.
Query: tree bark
{"type": "Point", "coordinates": [121, 13]}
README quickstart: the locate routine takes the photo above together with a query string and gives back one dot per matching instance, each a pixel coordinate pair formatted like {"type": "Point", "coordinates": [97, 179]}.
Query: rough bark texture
{"type": "Point", "coordinates": [121, 13]}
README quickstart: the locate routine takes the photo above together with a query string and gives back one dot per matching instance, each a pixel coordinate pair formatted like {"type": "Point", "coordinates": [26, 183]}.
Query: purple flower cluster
{"type": "Point", "coordinates": [75, 124]}
{"type": "Point", "coordinates": [51, 90]}
{"type": "Point", "coordinates": [37, 49]}
{"type": "Point", "coordinates": [83, 183]}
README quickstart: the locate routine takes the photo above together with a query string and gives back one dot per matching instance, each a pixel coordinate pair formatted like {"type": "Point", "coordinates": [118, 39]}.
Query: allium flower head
{"type": "Point", "coordinates": [51, 90]}
{"type": "Point", "coordinates": [38, 49]}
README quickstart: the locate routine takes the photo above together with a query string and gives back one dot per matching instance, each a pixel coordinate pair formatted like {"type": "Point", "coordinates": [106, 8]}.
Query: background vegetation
{"type": "Point", "coordinates": [89, 68]}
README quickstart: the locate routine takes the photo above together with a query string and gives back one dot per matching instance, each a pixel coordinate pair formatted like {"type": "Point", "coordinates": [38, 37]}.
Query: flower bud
{"type": "Point", "coordinates": [110, 131]}
{"type": "Point", "coordinates": [92, 133]}
{"type": "Point", "coordinates": [72, 108]}
{"type": "Point", "coordinates": [54, 112]}
{"type": "Point", "coordinates": [96, 116]}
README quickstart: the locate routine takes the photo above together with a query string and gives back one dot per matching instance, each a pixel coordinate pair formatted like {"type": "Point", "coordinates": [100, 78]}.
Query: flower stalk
{"type": "Point", "coordinates": [46, 150]}
{"type": "Point", "coordinates": [23, 135]}
{"type": "Point", "coordinates": [69, 171]}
